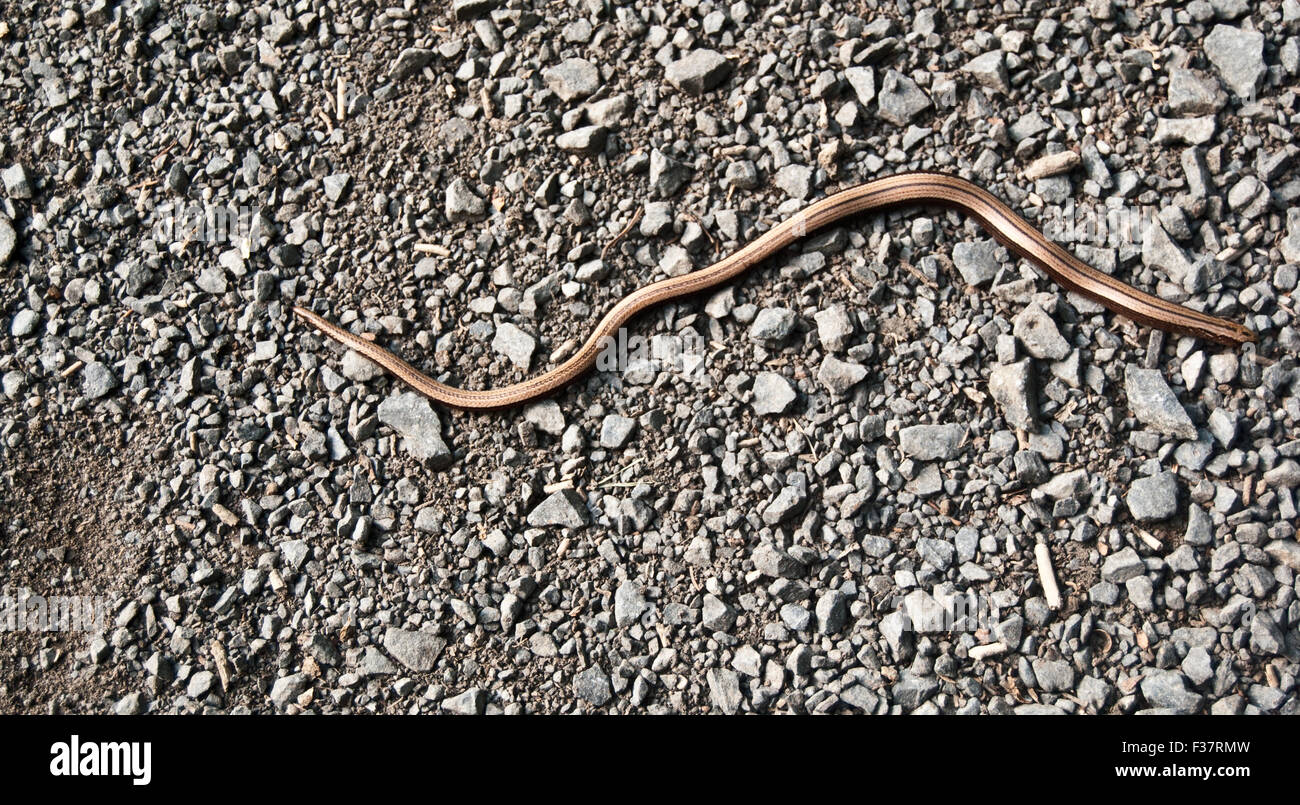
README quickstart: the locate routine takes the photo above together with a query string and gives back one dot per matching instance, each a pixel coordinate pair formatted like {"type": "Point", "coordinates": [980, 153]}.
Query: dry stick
{"type": "Point", "coordinates": [915, 273]}
{"type": "Point", "coordinates": [622, 234]}
{"type": "Point", "coordinates": [432, 248]}
{"type": "Point", "coordinates": [1047, 576]}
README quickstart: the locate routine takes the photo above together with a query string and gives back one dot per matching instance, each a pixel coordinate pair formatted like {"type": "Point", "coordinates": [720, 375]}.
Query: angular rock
{"type": "Point", "coordinates": [409, 62]}
{"type": "Point", "coordinates": [976, 260]}
{"type": "Point", "coordinates": [724, 690]}
{"type": "Point", "coordinates": [1154, 404]}
{"type": "Point", "coordinates": [564, 507]}
{"type": "Point", "coordinates": [839, 376]}
{"type": "Point", "coordinates": [411, 416]}
{"type": "Point", "coordinates": [463, 204]}
{"type": "Point", "coordinates": [572, 79]}
{"type": "Point", "coordinates": [900, 99]}
{"type": "Point", "coordinates": [1153, 498]}
{"type": "Point", "coordinates": [514, 344]}
{"type": "Point", "coordinates": [863, 82]}
{"type": "Point", "coordinates": [990, 70]}
{"type": "Point", "coordinates": [418, 651]}
{"type": "Point", "coordinates": [699, 71]}
{"type": "Point", "coordinates": [1238, 55]}
{"type": "Point", "coordinates": [931, 442]}
{"type": "Point", "coordinates": [1122, 565]}
{"type": "Point", "coordinates": [1038, 333]}
{"type": "Point", "coordinates": [772, 394]}
{"type": "Point", "coordinates": [1012, 387]}
{"type": "Point", "coordinates": [592, 686]}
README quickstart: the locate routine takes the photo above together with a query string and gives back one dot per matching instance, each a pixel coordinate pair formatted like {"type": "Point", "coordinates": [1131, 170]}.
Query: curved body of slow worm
{"type": "Point", "coordinates": [904, 189]}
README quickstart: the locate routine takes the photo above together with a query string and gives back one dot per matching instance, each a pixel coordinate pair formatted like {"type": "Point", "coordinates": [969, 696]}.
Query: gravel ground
{"type": "Point", "coordinates": [889, 417]}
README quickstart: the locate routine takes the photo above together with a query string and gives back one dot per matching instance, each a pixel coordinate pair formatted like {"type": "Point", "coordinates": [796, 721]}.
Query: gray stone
{"type": "Point", "coordinates": [860, 698]}
{"type": "Point", "coordinates": [1122, 565]}
{"type": "Point", "coordinates": [1198, 666]}
{"type": "Point", "coordinates": [572, 79]}
{"type": "Point", "coordinates": [1290, 245]}
{"type": "Point", "coordinates": [564, 507]}
{"type": "Point", "coordinates": [375, 663]}
{"type": "Point", "coordinates": [698, 71]}
{"type": "Point", "coordinates": [629, 603]}
{"type": "Point", "coordinates": [834, 327]}
{"type": "Point", "coordinates": [795, 180]}
{"type": "Point", "coordinates": [463, 204]}
{"type": "Point", "coordinates": [8, 240]}
{"type": "Point", "coordinates": [771, 561]}
{"type": "Point", "coordinates": [547, 416]}
{"type": "Point", "coordinates": [212, 280]}
{"type": "Point", "coordinates": [724, 690]}
{"type": "Point", "coordinates": [592, 686]}
{"type": "Point", "coordinates": [976, 261]}
{"type": "Point", "coordinates": [716, 615]}
{"type": "Point", "coordinates": [1286, 551]}
{"type": "Point", "coordinates": [1038, 333]}
{"type": "Point", "coordinates": [863, 82]}
{"type": "Point", "coordinates": [429, 520]}
{"type": "Point", "coordinates": [1286, 475]}
{"type": "Point", "coordinates": [990, 70]}
{"type": "Point", "coordinates": [931, 442]}
{"type": "Point", "coordinates": [1265, 636]}
{"type": "Point", "coordinates": [1238, 55]}
{"type": "Point", "coordinates": [912, 691]}
{"type": "Point", "coordinates": [1054, 676]}
{"type": "Point", "coordinates": [839, 376]}
{"type": "Point", "coordinates": [514, 344]}
{"type": "Point", "coordinates": [615, 431]}
{"type": "Point", "coordinates": [787, 505]}
{"type": "Point", "coordinates": [1184, 131]}
{"type": "Point", "coordinates": [1191, 93]}
{"type": "Point", "coordinates": [199, 684]}
{"type": "Point", "coordinates": [772, 394]}
{"type": "Point", "coordinates": [900, 99]}
{"type": "Point", "coordinates": [1094, 693]}
{"type": "Point", "coordinates": [358, 367]}
{"type": "Point", "coordinates": [1012, 388]}
{"type": "Point", "coordinates": [24, 323]}
{"type": "Point", "coordinates": [772, 325]}
{"type": "Point", "coordinates": [418, 651]}
{"type": "Point", "coordinates": [667, 178]}
{"type": "Point", "coordinates": [409, 62]}
{"type": "Point", "coordinates": [1154, 404]}
{"type": "Point", "coordinates": [1160, 252]}
{"type": "Point", "coordinates": [474, 9]}
{"type": "Point", "coordinates": [587, 140]}
{"type": "Point", "coordinates": [97, 380]}
{"type": "Point", "coordinates": [337, 186]}
{"type": "Point", "coordinates": [17, 184]}
{"type": "Point", "coordinates": [411, 416]}
{"type": "Point", "coordinates": [470, 703]}
{"type": "Point", "coordinates": [1153, 498]}
{"type": "Point", "coordinates": [1200, 530]}
{"type": "Point", "coordinates": [286, 689]}
{"type": "Point", "coordinates": [832, 611]}
{"type": "Point", "coordinates": [1168, 689]}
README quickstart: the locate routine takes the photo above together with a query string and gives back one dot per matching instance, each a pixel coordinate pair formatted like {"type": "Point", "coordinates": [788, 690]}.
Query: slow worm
{"type": "Point", "coordinates": [904, 189]}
